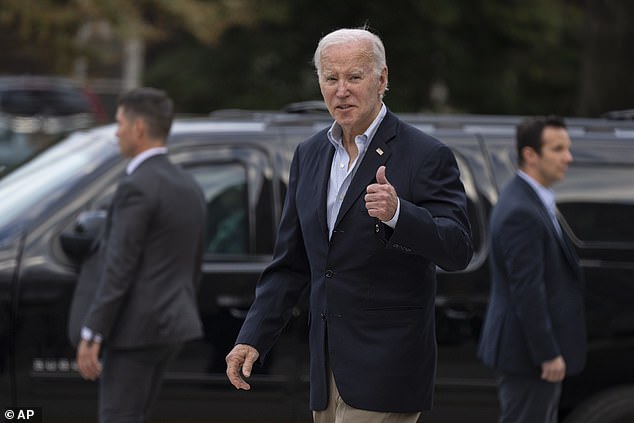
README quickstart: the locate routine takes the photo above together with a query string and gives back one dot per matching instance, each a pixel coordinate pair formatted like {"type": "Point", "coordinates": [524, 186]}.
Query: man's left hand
{"type": "Point", "coordinates": [88, 359]}
{"type": "Point", "coordinates": [380, 198]}
{"type": "Point", "coordinates": [554, 370]}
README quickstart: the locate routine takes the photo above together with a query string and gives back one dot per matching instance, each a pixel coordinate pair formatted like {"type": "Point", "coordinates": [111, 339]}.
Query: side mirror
{"type": "Point", "coordinates": [78, 242]}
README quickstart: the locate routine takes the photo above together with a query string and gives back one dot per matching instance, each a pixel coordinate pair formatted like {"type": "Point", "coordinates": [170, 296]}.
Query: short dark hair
{"type": "Point", "coordinates": [529, 133]}
{"type": "Point", "coordinates": [154, 106]}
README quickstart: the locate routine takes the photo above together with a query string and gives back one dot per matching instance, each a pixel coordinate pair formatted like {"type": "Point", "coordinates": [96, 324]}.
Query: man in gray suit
{"type": "Point", "coordinates": [534, 332]}
{"type": "Point", "coordinates": [145, 305]}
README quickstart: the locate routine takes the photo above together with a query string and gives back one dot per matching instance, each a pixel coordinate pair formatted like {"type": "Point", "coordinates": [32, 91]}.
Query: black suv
{"type": "Point", "coordinates": [241, 160]}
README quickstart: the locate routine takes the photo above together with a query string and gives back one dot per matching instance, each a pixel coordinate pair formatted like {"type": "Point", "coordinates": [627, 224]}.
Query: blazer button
{"type": "Point", "coordinates": [323, 316]}
{"type": "Point", "coordinates": [329, 273]}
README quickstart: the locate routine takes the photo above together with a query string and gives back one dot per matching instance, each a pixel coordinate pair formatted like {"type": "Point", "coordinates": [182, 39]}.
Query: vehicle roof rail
{"type": "Point", "coordinates": [627, 114]}
{"type": "Point", "coordinates": [310, 106]}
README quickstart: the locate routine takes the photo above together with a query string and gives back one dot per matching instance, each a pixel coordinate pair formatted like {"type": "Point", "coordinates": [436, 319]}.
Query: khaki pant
{"type": "Point", "coordinates": [340, 412]}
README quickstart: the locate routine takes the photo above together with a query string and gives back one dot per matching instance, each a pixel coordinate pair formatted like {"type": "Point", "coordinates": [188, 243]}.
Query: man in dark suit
{"type": "Point", "coordinates": [534, 332]}
{"type": "Point", "coordinates": [373, 205]}
{"type": "Point", "coordinates": [145, 306]}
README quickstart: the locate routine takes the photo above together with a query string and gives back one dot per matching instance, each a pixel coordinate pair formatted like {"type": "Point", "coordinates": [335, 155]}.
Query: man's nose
{"type": "Point", "coordinates": [342, 88]}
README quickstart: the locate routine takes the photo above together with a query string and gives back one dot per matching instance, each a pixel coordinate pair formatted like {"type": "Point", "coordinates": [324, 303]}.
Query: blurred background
{"type": "Point", "coordinates": [571, 57]}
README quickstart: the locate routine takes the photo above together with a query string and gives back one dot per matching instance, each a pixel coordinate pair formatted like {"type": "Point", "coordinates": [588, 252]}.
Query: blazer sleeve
{"type": "Point", "coordinates": [131, 214]}
{"type": "Point", "coordinates": [433, 223]}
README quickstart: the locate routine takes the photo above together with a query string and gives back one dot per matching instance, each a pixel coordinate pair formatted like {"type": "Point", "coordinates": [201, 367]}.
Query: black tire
{"type": "Point", "coordinates": [612, 406]}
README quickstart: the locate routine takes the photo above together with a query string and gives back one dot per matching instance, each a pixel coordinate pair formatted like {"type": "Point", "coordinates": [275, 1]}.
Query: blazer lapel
{"type": "Point", "coordinates": [377, 154]}
{"type": "Point", "coordinates": [568, 247]}
{"type": "Point", "coordinates": [565, 246]}
{"type": "Point", "coordinates": [323, 176]}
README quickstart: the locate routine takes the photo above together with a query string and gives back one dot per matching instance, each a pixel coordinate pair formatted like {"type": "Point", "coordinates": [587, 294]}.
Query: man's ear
{"type": "Point", "coordinates": [139, 128]}
{"type": "Point", "coordinates": [529, 155]}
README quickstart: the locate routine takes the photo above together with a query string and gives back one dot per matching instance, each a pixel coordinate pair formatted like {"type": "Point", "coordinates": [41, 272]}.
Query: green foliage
{"type": "Point", "coordinates": [475, 56]}
{"type": "Point", "coordinates": [487, 56]}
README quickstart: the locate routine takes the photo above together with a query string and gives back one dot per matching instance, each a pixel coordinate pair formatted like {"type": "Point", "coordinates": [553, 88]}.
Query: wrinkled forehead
{"type": "Point", "coordinates": [352, 54]}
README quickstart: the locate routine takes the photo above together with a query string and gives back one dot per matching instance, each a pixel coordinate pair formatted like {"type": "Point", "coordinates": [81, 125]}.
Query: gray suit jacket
{"type": "Point", "coordinates": [151, 256]}
{"type": "Point", "coordinates": [536, 311]}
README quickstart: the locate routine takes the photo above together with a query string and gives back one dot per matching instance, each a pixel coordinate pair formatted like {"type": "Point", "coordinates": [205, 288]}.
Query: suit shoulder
{"type": "Point", "coordinates": [420, 137]}
{"type": "Point", "coordinates": [516, 203]}
{"type": "Point", "coordinates": [417, 138]}
{"type": "Point", "coordinates": [157, 172]}
{"type": "Point", "coordinates": [313, 145]}
{"type": "Point", "coordinates": [316, 140]}
{"type": "Point", "coordinates": [517, 191]}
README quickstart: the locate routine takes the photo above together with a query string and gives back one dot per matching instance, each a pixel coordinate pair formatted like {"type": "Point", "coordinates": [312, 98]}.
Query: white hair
{"type": "Point", "coordinates": [346, 35]}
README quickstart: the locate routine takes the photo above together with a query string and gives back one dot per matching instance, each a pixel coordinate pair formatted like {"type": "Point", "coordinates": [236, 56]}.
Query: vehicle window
{"type": "Point", "coordinates": [226, 194]}
{"type": "Point", "coordinates": [43, 101]}
{"type": "Point", "coordinates": [597, 203]}
{"type": "Point", "coordinates": [503, 160]}
{"type": "Point", "coordinates": [16, 147]}
{"type": "Point", "coordinates": [33, 187]}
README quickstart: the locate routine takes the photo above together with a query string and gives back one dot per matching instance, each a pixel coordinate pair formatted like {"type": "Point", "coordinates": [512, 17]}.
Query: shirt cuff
{"type": "Point", "coordinates": [88, 335]}
{"type": "Point", "coordinates": [392, 222]}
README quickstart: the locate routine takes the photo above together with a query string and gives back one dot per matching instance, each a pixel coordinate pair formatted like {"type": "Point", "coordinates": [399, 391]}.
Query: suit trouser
{"type": "Point", "coordinates": [340, 412]}
{"type": "Point", "coordinates": [130, 382]}
{"type": "Point", "coordinates": [525, 399]}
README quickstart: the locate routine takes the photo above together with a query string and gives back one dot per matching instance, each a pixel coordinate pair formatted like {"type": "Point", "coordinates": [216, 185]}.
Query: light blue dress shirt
{"type": "Point", "coordinates": [342, 171]}
{"type": "Point", "coordinates": [546, 195]}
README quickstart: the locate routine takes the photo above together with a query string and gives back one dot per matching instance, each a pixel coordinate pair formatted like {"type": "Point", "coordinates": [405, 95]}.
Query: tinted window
{"type": "Point", "coordinates": [44, 102]}
{"type": "Point", "coordinates": [226, 194]}
{"type": "Point", "coordinates": [28, 191]}
{"type": "Point", "coordinates": [597, 202]}
{"type": "Point", "coordinates": [17, 147]}
{"type": "Point", "coordinates": [241, 175]}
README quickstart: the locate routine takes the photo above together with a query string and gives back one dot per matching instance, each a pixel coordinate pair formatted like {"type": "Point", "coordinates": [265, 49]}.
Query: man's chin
{"type": "Point", "coordinates": [344, 115]}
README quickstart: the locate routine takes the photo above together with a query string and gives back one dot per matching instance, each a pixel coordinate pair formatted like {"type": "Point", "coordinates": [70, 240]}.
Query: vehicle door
{"type": "Point", "coordinates": [596, 203]}
{"type": "Point", "coordinates": [244, 195]}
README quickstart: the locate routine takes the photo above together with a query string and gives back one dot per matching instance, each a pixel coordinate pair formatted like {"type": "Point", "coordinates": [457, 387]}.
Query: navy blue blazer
{"type": "Point", "coordinates": [371, 287]}
{"type": "Point", "coordinates": [536, 309]}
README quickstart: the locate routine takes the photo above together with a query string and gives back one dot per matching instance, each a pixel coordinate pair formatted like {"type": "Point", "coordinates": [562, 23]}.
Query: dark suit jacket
{"type": "Point", "coordinates": [372, 288]}
{"type": "Point", "coordinates": [151, 259]}
{"type": "Point", "coordinates": [536, 310]}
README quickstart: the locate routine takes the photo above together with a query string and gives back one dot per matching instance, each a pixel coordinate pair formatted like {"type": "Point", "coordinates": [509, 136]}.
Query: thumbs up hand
{"type": "Point", "coordinates": [380, 198]}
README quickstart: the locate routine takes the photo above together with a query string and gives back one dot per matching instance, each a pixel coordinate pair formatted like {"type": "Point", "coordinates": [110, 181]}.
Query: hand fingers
{"type": "Point", "coordinates": [233, 374]}
{"type": "Point", "coordinates": [90, 370]}
{"type": "Point", "coordinates": [554, 371]}
{"type": "Point", "coordinates": [553, 376]}
{"type": "Point", "coordinates": [381, 202]}
{"type": "Point", "coordinates": [88, 360]}
{"type": "Point", "coordinates": [240, 362]}
{"type": "Point", "coordinates": [247, 367]}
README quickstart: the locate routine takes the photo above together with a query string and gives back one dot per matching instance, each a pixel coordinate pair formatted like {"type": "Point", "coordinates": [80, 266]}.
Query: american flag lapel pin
{"type": "Point", "coordinates": [379, 151]}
